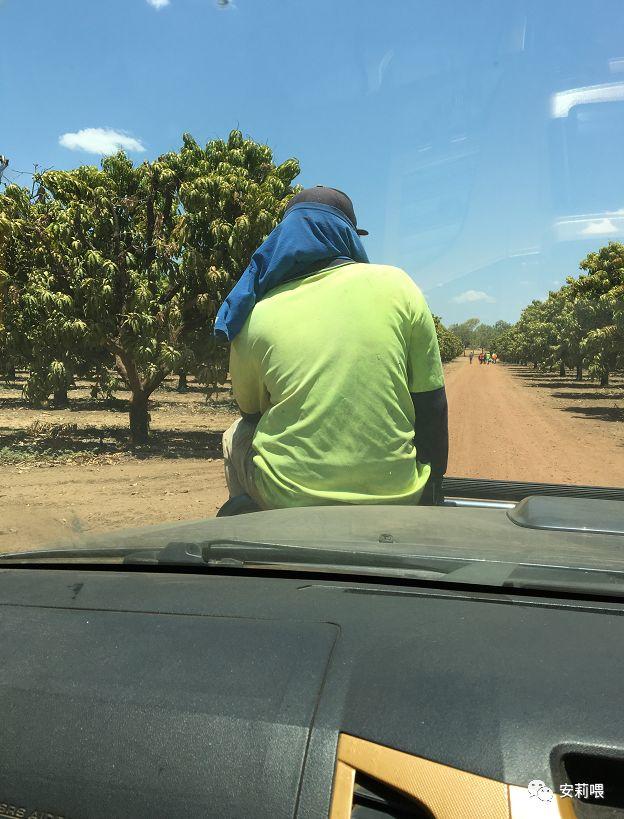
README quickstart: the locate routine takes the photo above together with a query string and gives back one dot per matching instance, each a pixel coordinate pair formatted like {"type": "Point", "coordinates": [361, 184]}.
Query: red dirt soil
{"type": "Point", "coordinates": [511, 423]}
{"type": "Point", "coordinates": [505, 422]}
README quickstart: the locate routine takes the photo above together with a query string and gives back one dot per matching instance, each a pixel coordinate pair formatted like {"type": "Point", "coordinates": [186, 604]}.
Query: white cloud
{"type": "Point", "coordinates": [100, 141]}
{"type": "Point", "coordinates": [158, 4]}
{"type": "Point", "coordinates": [599, 228]}
{"type": "Point", "coordinates": [572, 228]}
{"type": "Point", "coordinates": [473, 295]}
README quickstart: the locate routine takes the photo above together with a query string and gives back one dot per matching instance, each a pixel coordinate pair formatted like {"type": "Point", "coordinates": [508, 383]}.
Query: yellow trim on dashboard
{"type": "Point", "coordinates": [447, 792]}
{"type": "Point", "coordinates": [344, 782]}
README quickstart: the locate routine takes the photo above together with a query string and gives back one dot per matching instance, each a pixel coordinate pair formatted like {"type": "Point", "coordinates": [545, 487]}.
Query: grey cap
{"type": "Point", "coordinates": [328, 196]}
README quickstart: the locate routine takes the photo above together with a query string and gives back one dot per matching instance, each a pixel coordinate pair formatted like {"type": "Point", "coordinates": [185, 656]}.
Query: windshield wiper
{"type": "Point", "coordinates": [500, 574]}
{"type": "Point", "coordinates": [226, 552]}
{"type": "Point", "coordinates": [81, 552]}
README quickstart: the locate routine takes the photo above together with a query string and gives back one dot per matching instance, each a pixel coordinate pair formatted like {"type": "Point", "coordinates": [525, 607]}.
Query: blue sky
{"type": "Point", "coordinates": [480, 142]}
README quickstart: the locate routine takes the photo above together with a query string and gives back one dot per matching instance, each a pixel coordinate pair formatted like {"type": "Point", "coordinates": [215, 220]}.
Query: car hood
{"type": "Point", "coordinates": [464, 533]}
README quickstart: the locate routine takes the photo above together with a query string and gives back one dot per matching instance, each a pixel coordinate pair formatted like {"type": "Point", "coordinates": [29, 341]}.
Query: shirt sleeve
{"type": "Point", "coordinates": [424, 365]}
{"type": "Point", "coordinates": [247, 385]}
{"type": "Point", "coordinates": [431, 429]}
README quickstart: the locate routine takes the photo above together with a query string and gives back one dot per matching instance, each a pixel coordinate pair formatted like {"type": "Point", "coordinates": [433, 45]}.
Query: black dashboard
{"type": "Point", "coordinates": [149, 693]}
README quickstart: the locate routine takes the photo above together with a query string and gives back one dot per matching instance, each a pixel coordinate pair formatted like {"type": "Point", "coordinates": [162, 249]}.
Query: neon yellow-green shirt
{"type": "Point", "coordinates": [330, 361]}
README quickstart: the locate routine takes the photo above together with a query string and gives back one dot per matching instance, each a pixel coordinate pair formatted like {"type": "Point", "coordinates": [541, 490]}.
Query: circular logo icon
{"type": "Point", "coordinates": [540, 790]}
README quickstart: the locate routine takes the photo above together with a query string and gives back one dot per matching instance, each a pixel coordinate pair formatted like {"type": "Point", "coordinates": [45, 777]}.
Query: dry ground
{"type": "Point", "coordinates": [513, 423]}
{"type": "Point", "coordinates": [505, 422]}
{"type": "Point", "coordinates": [59, 486]}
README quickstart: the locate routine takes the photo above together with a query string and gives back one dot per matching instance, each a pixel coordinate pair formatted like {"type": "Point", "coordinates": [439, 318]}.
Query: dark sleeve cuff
{"type": "Point", "coordinates": [431, 429]}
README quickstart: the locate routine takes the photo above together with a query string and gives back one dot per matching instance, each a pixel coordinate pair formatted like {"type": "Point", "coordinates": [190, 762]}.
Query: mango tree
{"type": "Point", "coordinates": [450, 344]}
{"type": "Point", "coordinates": [567, 344]}
{"type": "Point", "coordinates": [466, 331]}
{"type": "Point", "coordinates": [580, 324]}
{"type": "Point", "coordinates": [132, 262]}
{"type": "Point", "coordinates": [232, 196]}
{"type": "Point", "coordinates": [36, 329]}
{"type": "Point", "coordinates": [599, 299]}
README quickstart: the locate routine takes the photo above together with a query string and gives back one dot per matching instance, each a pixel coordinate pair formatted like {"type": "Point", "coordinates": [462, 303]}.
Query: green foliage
{"type": "Point", "coordinates": [580, 325]}
{"type": "Point", "coordinates": [450, 344]}
{"type": "Point", "coordinates": [466, 331]}
{"type": "Point", "coordinates": [125, 266]}
{"type": "Point", "coordinates": [232, 195]}
{"type": "Point", "coordinates": [475, 334]}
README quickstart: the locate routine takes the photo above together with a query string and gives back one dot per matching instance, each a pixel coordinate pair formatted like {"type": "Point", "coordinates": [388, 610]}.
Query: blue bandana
{"type": "Point", "coordinates": [309, 234]}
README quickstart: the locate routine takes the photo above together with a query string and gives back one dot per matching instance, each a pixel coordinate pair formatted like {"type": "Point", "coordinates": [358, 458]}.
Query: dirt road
{"type": "Point", "coordinates": [512, 424]}
{"type": "Point", "coordinates": [507, 423]}
{"type": "Point", "coordinates": [65, 502]}
{"type": "Point", "coordinates": [180, 478]}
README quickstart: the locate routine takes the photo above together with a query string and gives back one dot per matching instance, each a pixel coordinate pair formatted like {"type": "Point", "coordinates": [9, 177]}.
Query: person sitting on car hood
{"type": "Point", "coordinates": [335, 367]}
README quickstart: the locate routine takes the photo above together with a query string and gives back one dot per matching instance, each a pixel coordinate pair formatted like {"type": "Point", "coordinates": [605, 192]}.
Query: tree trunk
{"type": "Point", "coordinates": [139, 418]}
{"type": "Point", "coordinates": [579, 372]}
{"type": "Point", "coordinates": [60, 397]}
{"type": "Point", "coordinates": [141, 391]}
{"type": "Point", "coordinates": [182, 385]}
{"type": "Point", "coordinates": [562, 370]}
{"type": "Point", "coordinates": [604, 378]}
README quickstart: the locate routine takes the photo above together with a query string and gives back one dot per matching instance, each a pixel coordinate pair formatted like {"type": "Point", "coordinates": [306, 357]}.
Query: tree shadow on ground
{"type": "Point", "coordinates": [73, 405]}
{"type": "Point", "coordinates": [219, 405]}
{"type": "Point", "coordinates": [580, 391]}
{"type": "Point", "coordinates": [16, 383]}
{"type": "Point", "coordinates": [555, 382]}
{"type": "Point", "coordinates": [14, 403]}
{"type": "Point", "coordinates": [599, 396]}
{"type": "Point", "coordinates": [187, 443]}
{"type": "Point", "coordinates": [600, 413]}
{"type": "Point", "coordinates": [121, 405]}
{"type": "Point", "coordinates": [535, 378]}
{"type": "Point", "coordinates": [191, 387]}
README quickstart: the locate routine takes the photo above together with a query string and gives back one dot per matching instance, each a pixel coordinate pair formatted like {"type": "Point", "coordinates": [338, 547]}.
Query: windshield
{"type": "Point", "coordinates": [465, 260]}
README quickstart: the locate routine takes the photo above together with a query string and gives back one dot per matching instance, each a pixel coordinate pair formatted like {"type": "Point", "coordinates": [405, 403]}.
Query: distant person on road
{"type": "Point", "coordinates": [471, 356]}
{"type": "Point", "coordinates": [494, 357]}
{"type": "Point", "coordinates": [335, 367]}
{"type": "Point", "coordinates": [481, 357]}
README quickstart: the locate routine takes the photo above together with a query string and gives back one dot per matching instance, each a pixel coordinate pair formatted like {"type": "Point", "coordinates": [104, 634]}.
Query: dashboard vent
{"type": "Point", "coordinates": [607, 769]}
{"type": "Point", "coordinates": [374, 800]}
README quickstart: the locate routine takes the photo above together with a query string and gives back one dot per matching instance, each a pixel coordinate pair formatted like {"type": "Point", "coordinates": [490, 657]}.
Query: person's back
{"type": "Point", "coordinates": [335, 367]}
{"type": "Point", "coordinates": [330, 360]}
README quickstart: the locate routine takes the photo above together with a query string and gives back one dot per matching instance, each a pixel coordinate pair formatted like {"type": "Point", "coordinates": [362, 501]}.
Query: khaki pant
{"type": "Point", "coordinates": [238, 462]}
